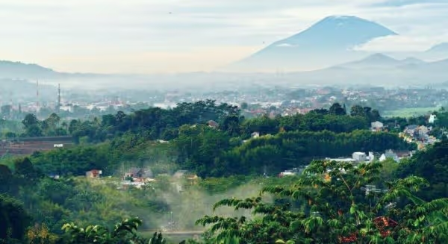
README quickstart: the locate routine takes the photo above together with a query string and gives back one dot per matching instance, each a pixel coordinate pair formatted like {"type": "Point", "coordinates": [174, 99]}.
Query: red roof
{"type": "Point", "coordinates": [95, 172]}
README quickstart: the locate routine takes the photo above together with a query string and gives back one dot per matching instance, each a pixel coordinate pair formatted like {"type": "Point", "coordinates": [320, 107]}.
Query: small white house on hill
{"type": "Point", "coordinates": [255, 135]}
{"type": "Point", "coordinates": [389, 154]}
{"type": "Point", "coordinates": [359, 156]}
{"type": "Point", "coordinates": [377, 126]}
{"type": "Point", "coordinates": [432, 119]}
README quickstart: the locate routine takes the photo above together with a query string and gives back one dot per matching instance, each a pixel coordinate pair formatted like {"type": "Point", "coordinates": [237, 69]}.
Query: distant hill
{"type": "Point", "coordinates": [327, 42]}
{"type": "Point", "coordinates": [10, 71]}
{"type": "Point", "coordinates": [20, 70]}
{"type": "Point", "coordinates": [437, 52]}
{"type": "Point", "coordinates": [377, 60]}
{"type": "Point", "coordinates": [412, 61]}
{"type": "Point", "coordinates": [439, 48]}
{"type": "Point", "coordinates": [410, 64]}
{"type": "Point", "coordinates": [377, 69]}
{"type": "Point", "coordinates": [382, 61]}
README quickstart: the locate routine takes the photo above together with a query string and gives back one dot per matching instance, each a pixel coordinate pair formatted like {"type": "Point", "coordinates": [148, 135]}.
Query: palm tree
{"type": "Point", "coordinates": [65, 126]}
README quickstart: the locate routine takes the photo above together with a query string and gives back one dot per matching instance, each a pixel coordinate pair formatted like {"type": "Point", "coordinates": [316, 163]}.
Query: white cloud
{"type": "Point", "coordinates": [420, 25]}
{"type": "Point", "coordinates": [286, 45]}
{"type": "Point", "coordinates": [96, 31]}
{"type": "Point", "coordinates": [399, 44]}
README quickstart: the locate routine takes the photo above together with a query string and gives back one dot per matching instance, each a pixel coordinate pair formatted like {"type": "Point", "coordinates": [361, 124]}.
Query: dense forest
{"type": "Point", "coordinates": [46, 198]}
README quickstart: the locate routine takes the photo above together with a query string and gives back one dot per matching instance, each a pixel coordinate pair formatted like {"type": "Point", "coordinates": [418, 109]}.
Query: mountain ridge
{"type": "Point", "coordinates": [379, 60]}
{"type": "Point", "coordinates": [10, 68]}
{"type": "Point", "coordinates": [441, 47]}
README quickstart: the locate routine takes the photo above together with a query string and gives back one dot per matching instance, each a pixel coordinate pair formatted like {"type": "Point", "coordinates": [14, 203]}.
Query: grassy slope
{"type": "Point", "coordinates": [409, 112]}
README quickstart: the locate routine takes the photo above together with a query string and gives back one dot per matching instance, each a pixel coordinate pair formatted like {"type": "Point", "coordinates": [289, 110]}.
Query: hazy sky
{"type": "Point", "coordinates": [144, 36]}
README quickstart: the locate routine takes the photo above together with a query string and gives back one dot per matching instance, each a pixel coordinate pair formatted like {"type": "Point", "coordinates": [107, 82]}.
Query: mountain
{"type": "Point", "coordinates": [412, 61]}
{"type": "Point", "coordinates": [377, 69]}
{"type": "Point", "coordinates": [377, 60]}
{"type": "Point", "coordinates": [20, 70]}
{"type": "Point", "coordinates": [327, 42]}
{"type": "Point", "coordinates": [439, 48]}
{"type": "Point", "coordinates": [382, 61]}
{"type": "Point", "coordinates": [437, 52]}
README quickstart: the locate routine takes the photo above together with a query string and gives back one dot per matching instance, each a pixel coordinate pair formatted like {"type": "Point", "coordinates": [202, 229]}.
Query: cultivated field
{"type": "Point", "coordinates": [409, 112]}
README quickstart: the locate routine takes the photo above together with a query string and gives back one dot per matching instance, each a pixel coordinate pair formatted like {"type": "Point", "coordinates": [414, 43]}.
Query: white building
{"type": "Point", "coordinates": [371, 157]}
{"type": "Point", "coordinates": [389, 154]}
{"type": "Point", "coordinates": [342, 160]}
{"type": "Point", "coordinates": [359, 156]}
{"type": "Point", "coordinates": [377, 126]}
{"type": "Point", "coordinates": [432, 118]}
{"type": "Point", "coordinates": [255, 135]}
{"type": "Point", "coordinates": [165, 105]}
{"type": "Point", "coordinates": [67, 108]}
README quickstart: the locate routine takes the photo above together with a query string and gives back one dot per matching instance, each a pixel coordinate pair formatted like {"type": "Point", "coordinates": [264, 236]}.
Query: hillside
{"type": "Point", "coordinates": [376, 69]}
{"type": "Point", "coordinates": [13, 70]}
{"type": "Point", "coordinates": [373, 61]}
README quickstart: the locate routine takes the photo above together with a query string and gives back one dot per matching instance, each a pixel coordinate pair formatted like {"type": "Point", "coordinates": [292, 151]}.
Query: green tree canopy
{"type": "Point", "coordinates": [357, 110]}
{"type": "Point", "coordinates": [340, 204]}
{"type": "Point", "coordinates": [13, 219]}
{"type": "Point", "coordinates": [337, 109]}
{"type": "Point", "coordinates": [432, 165]}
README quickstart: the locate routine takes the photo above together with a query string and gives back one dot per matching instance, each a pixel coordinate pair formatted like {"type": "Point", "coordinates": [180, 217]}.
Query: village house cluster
{"type": "Point", "coordinates": [419, 134]}
{"type": "Point", "coordinates": [140, 177]}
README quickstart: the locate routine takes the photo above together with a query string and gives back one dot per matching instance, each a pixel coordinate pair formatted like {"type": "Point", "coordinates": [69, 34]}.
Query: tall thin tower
{"type": "Point", "coordinates": [37, 95]}
{"type": "Point", "coordinates": [59, 98]}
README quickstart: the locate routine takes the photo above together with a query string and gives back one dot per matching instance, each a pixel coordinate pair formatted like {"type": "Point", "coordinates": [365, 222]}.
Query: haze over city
{"type": "Point", "coordinates": [100, 36]}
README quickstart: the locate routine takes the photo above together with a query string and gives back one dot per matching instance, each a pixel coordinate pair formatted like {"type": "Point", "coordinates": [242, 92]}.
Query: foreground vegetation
{"type": "Point", "coordinates": [346, 207]}
{"type": "Point", "coordinates": [327, 204]}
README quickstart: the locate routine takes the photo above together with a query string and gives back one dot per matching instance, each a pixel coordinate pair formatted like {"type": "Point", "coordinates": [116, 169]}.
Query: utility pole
{"type": "Point", "coordinates": [37, 96]}
{"type": "Point", "coordinates": [59, 98]}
